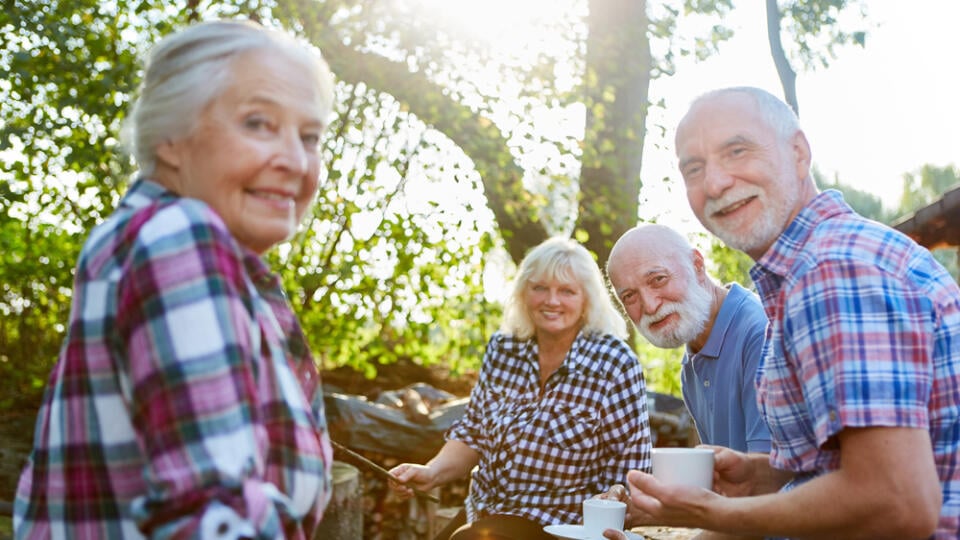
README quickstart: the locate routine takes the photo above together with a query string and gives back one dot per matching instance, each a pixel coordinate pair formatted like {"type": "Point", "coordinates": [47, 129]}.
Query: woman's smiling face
{"type": "Point", "coordinates": [253, 155]}
{"type": "Point", "coordinates": [555, 306]}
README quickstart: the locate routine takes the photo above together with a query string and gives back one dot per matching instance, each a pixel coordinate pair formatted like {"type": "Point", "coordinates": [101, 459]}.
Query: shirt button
{"type": "Point", "coordinates": [833, 416]}
{"type": "Point", "coordinates": [706, 384]}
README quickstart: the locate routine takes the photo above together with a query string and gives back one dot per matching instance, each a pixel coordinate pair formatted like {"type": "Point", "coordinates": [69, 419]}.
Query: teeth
{"type": "Point", "coordinates": [731, 208]}
{"type": "Point", "coordinates": [272, 196]}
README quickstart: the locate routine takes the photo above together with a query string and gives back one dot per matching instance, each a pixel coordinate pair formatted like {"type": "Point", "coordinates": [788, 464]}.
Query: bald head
{"type": "Point", "coordinates": [650, 241]}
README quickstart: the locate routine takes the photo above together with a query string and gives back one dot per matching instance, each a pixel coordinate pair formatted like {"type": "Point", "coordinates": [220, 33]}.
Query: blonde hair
{"type": "Point", "coordinates": [562, 259]}
{"type": "Point", "coordinates": [186, 70]}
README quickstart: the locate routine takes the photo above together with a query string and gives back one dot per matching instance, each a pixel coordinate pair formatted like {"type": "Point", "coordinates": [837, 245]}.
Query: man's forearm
{"type": "Point", "coordinates": [767, 478]}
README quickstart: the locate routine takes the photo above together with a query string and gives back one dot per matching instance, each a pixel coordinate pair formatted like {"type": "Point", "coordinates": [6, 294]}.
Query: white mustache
{"type": "Point", "coordinates": [728, 199]}
{"type": "Point", "coordinates": [665, 311]}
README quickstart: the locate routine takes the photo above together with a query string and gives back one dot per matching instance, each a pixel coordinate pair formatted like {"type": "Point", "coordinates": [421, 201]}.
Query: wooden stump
{"type": "Point", "coordinates": [343, 518]}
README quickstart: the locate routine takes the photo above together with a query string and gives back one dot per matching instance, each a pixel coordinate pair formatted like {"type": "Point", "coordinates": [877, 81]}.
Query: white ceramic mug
{"type": "Point", "coordinates": [684, 466]}
{"type": "Point", "coordinates": [602, 514]}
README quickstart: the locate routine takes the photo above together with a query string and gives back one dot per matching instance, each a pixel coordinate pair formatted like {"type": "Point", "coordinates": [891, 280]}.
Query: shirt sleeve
{"type": "Point", "coordinates": [468, 429]}
{"type": "Point", "coordinates": [625, 430]}
{"type": "Point", "coordinates": [190, 338]}
{"type": "Point", "coordinates": [861, 342]}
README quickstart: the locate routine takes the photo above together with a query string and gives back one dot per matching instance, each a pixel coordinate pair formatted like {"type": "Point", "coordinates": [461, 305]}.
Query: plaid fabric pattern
{"type": "Point", "coordinates": [185, 401]}
{"type": "Point", "coordinates": [544, 452]}
{"type": "Point", "coordinates": [865, 331]}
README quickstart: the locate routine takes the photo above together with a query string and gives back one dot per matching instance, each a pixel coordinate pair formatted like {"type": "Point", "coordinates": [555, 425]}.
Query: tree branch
{"type": "Point", "coordinates": [478, 137]}
{"type": "Point", "coordinates": [788, 77]}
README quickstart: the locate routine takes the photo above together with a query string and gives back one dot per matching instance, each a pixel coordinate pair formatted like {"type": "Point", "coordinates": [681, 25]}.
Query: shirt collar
{"type": "Point", "coordinates": [145, 192]}
{"type": "Point", "coordinates": [718, 333]}
{"type": "Point", "coordinates": [780, 257]}
{"type": "Point", "coordinates": [573, 360]}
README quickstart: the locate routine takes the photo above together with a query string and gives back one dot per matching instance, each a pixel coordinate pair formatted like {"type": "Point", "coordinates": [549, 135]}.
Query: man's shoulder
{"type": "Point", "coordinates": [851, 235]}
{"type": "Point", "coordinates": [853, 241]}
{"type": "Point", "coordinates": [742, 307]}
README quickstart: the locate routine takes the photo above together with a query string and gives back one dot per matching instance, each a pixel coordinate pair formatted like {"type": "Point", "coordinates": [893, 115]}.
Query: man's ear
{"type": "Point", "coordinates": [699, 268]}
{"type": "Point", "coordinates": [802, 154]}
{"type": "Point", "coordinates": [168, 153]}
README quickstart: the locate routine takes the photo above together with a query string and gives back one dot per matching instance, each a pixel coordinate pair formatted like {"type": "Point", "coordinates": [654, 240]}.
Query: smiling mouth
{"type": "Point", "coordinates": [273, 198]}
{"type": "Point", "coordinates": [653, 325]}
{"type": "Point", "coordinates": [730, 209]}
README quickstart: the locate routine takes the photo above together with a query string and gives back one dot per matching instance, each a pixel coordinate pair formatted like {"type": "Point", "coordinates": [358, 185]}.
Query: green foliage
{"type": "Point", "coordinates": [922, 187]}
{"type": "Point", "coordinates": [864, 203]}
{"type": "Point", "coordinates": [433, 162]}
{"type": "Point", "coordinates": [661, 367]}
{"type": "Point", "coordinates": [377, 273]}
{"type": "Point", "coordinates": [819, 27]}
{"type": "Point", "coordinates": [67, 71]}
{"type": "Point", "coordinates": [728, 265]}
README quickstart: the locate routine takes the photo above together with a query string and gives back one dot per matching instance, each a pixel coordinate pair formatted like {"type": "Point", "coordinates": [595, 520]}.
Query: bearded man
{"type": "Point", "coordinates": [662, 283]}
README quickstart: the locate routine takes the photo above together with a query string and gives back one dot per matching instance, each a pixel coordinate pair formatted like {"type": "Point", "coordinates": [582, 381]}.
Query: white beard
{"type": "Point", "coordinates": [693, 312]}
{"type": "Point", "coordinates": [763, 231]}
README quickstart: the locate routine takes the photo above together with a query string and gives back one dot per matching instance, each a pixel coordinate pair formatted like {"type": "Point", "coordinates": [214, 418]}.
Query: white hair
{"type": "Point", "coordinates": [186, 70]}
{"type": "Point", "coordinates": [777, 114]}
{"type": "Point", "coordinates": [566, 260]}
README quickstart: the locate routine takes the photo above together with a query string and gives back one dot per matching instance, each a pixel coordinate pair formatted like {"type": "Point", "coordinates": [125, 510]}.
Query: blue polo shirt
{"type": "Point", "coordinates": [719, 382]}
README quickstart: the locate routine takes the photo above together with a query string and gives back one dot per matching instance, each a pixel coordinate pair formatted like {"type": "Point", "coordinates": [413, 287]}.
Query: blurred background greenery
{"type": "Point", "coordinates": [444, 161]}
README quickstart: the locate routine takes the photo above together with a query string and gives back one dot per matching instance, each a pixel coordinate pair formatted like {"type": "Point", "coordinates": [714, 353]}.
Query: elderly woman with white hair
{"type": "Point", "coordinates": [185, 402]}
{"type": "Point", "coordinates": [559, 412]}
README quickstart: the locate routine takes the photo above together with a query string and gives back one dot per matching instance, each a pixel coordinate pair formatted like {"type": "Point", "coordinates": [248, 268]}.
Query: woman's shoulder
{"type": "Point", "coordinates": [161, 227]}
{"type": "Point", "coordinates": [179, 216]}
{"type": "Point", "coordinates": [606, 345]}
{"type": "Point", "coordinates": [605, 339]}
{"type": "Point", "coordinates": [507, 343]}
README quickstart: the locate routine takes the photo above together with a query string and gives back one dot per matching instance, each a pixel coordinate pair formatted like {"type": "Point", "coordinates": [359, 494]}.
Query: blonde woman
{"type": "Point", "coordinates": [559, 412]}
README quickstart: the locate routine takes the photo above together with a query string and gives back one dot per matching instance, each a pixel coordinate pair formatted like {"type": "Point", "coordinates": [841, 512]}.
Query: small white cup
{"type": "Point", "coordinates": [683, 466]}
{"type": "Point", "coordinates": [602, 514]}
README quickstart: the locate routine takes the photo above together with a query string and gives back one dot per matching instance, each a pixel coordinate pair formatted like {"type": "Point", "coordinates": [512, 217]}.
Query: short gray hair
{"type": "Point", "coordinates": [774, 110]}
{"type": "Point", "coordinates": [186, 70]}
{"type": "Point", "coordinates": [563, 259]}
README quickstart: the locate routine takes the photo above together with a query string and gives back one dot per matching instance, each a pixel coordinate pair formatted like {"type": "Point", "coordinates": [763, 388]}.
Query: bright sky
{"type": "Point", "coordinates": [871, 116]}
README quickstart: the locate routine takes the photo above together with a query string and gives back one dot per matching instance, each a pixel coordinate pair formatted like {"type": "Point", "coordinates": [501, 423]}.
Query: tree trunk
{"type": "Point", "coordinates": [616, 86]}
{"type": "Point", "coordinates": [343, 518]}
{"type": "Point", "coordinates": [788, 78]}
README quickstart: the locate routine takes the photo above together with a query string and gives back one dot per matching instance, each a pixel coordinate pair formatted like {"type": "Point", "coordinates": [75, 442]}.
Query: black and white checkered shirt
{"type": "Point", "coordinates": [544, 452]}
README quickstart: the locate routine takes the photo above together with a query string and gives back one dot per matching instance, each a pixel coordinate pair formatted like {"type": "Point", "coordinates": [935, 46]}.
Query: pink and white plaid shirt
{"type": "Point", "coordinates": [185, 402]}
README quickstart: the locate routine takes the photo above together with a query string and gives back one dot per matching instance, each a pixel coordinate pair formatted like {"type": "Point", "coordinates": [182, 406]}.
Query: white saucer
{"type": "Point", "coordinates": [576, 532]}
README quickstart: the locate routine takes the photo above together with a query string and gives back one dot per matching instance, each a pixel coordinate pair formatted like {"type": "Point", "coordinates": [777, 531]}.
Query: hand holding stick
{"type": "Point", "coordinates": [381, 471]}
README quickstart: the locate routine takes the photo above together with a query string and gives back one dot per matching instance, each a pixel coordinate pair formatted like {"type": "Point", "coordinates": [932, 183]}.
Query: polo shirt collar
{"type": "Point", "coordinates": [721, 325]}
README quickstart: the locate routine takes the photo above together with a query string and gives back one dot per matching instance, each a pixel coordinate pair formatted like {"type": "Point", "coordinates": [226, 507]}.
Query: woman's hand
{"type": "Point", "coordinates": [410, 475]}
